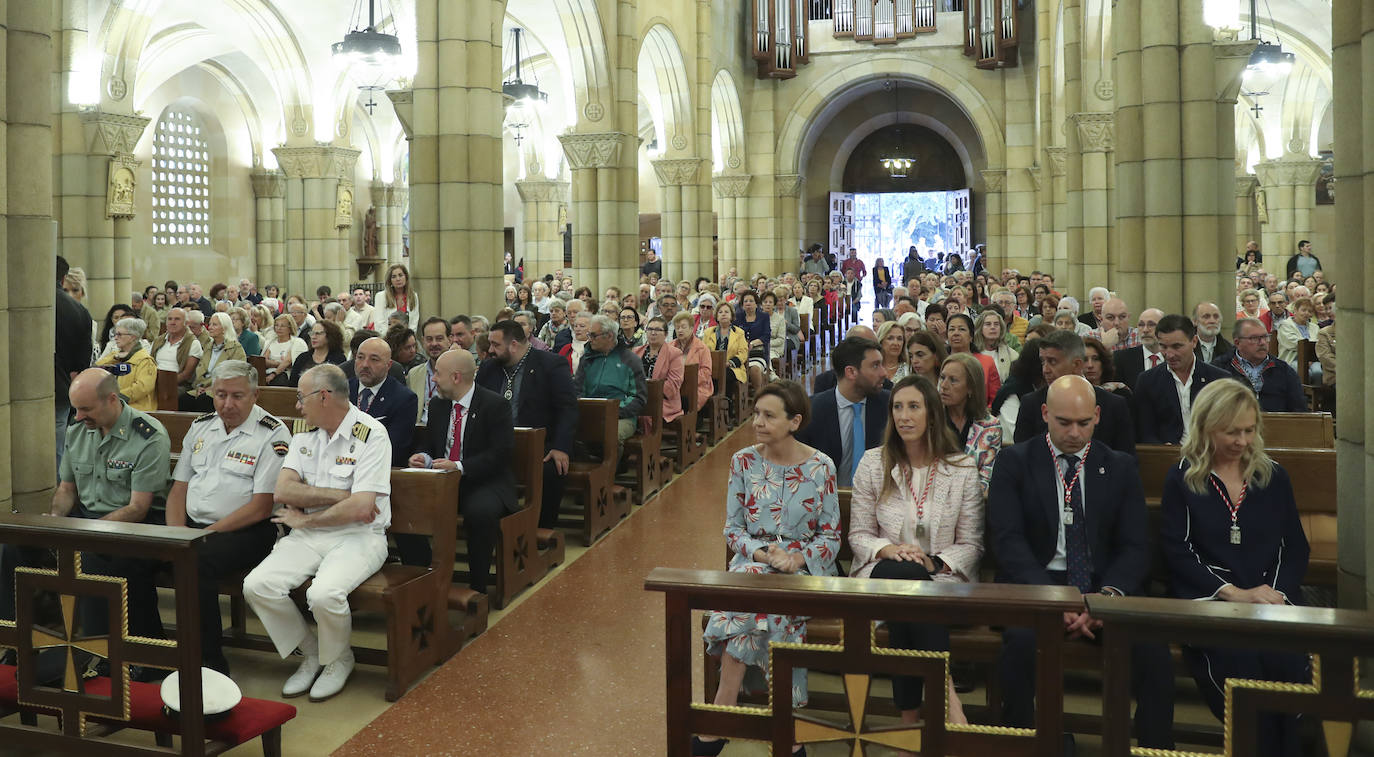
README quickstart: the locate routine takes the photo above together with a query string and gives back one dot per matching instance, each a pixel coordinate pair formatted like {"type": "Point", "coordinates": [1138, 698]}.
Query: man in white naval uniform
{"type": "Point", "coordinates": [223, 482]}
{"type": "Point", "coordinates": [334, 489]}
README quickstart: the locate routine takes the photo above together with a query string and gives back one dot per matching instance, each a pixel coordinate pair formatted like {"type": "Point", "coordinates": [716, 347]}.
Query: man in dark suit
{"type": "Point", "coordinates": [1062, 354]}
{"type": "Point", "coordinates": [851, 418]}
{"type": "Point", "coordinates": [1161, 414]}
{"type": "Point", "coordinates": [825, 380]}
{"type": "Point", "coordinates": [1133, 361]}
{"type": "Point", "coordinates": [1274, 382]}
{"type": "Point", "coordinates": [539, 387]}
{"type": "Point", "coordinates": [1069, 511]}
{"type": "Point", "coordinates": [1210, 343]}
{"type": "Point", "coordinates": [469, 430]}
{"type": "Point", "coordinates": [71, 354]}
{"type": "Point", "coordinates": [379, 395]}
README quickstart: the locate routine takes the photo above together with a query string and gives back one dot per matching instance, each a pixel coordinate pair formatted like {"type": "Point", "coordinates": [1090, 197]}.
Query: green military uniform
{"type": "Point", "coordinates": [106, 468]}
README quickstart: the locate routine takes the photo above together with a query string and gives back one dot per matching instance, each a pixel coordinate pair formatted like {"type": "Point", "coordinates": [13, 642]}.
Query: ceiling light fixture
{"type": "Point", "coordinates": [371, 57]}
{"type": "Point", "coordinates": [524, 97]}
{"type": "Point", "coordinates": [897, 165]}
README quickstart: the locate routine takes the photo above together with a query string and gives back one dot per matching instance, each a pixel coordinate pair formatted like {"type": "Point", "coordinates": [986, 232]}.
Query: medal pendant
{"type": "Point", "coordinates": [508, 394]}
{"type": "Point", "coordinates": [1235, 534]}
{"type": "Point", "coordinates": [920, 530]}
{"type": "Point", "coordinates": [1068, 517]}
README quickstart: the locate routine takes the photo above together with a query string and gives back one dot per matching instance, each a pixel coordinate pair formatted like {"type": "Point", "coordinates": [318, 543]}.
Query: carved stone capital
{"type": "Point", "coordinates": [269, 184]}
{"type": "Point", "coordinates": [994, 179]}
{"type": "Point", "coordinates": [112, 133]}
{"type": "Point", "coordinates": [599, 150]}
{"type": "Point", "coordinates": [1055, 158]}
{"type": "Point", "coordinates": [788, 184]}
{"type": "Point", "coordinates": [120, 186]}
{"type": "Point", "coordinates": [677, 172]}
{"type": "Point", "coordinates": [542, 190]}
{"type": "Point", "coordinates": [403, 103]}
{"type": "Point", "coordinates": [1245, 185]}
{"type": "Point", "coordinates": [1291, 170]}
{"type": "Point", "coordinates": [1096, 131]}
{"type": "Point", "coordinates": [317, 162]}
{"type": "Point", "coordinates": [383, 195]}
{"type": "Point", "coordinates": [733, 185]}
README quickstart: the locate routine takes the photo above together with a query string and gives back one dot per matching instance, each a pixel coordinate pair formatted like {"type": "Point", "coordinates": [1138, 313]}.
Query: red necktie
{"type": "Point", "coordinates": [1154, 360]}
{"type": "Point", "coordinates": [455, 453]}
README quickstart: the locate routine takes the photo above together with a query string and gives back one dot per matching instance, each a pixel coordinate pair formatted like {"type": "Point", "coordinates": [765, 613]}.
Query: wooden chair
{"type": "Point", "coordinates": [166, 390]}
{"type": "Point", "coordinates": [715, 414]}
{"type": "Point", "coordinates": [591, 480]}
{"type": "Point", "coordinates": [680, 434]}
{"type": "Point", "coordinates": [1318, 394]}
{"type": "Point", "coordinates": [260, 363]}
{"type": "Point", "coordinates": [645, 449]}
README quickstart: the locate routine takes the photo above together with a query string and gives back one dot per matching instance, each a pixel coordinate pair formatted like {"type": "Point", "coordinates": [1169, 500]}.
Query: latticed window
{"type": "Point", "coordinates": [181, 180]}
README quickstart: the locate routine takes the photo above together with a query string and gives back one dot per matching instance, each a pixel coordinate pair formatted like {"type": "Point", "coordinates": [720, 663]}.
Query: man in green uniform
{"type": "Point", "coordinates": [115, 467]}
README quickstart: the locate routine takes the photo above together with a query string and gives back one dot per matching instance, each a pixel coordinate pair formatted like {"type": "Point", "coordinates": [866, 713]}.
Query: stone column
{"type": "Point", "coordinates": [27, 277]}
{"type": "Point", "coordinates": [733, 192]}
{"type": "Point", "coordinates": [395, 226]}
{"type": "Point", "coordinates": [1057, 209]}
{"type": "Point", "coordinates": [269, 187]}
{"type": "Point", "coordinates": [111, 140]}
{"type": "Point", "coordinates": [383, 200]}
{"type": "Point", "coordinates": [677, 183]}
{"type": "Point", "coordinates": [319, 202]}
{"type": "Point", "coordinates": [605, 248]}
{"type": "Point", "coordinates": [455, 157]}
{"type": "Point", "coordinates": [1247, 226]}
{"type": "Point", "coordinates": [1092, 139]}
{"type": "Point", "coordinates": [1289, 195]}
{"type": "Point", "coordinates": [1352, 38]}
{"type": "Point", "coordinates": [994, 187]}
{"type": "Point", "coordinates": [543, 237]}
{"type": "Point", "coordinates": [788, 190]}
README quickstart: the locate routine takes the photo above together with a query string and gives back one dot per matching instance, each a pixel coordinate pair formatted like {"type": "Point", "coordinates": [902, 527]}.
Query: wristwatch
{"type": "Point", "coordinates": [939, 564]}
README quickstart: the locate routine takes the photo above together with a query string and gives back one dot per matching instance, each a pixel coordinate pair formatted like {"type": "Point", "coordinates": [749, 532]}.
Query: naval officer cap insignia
{"type": "Point", "coordinates": [280, 448]}
{"type": "Point", "coordinates": [360, 431]}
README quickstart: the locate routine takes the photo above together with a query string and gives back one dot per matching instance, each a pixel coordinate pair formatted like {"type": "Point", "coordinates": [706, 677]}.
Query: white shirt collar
{"type": "Point", "coordinates": [466, 399]}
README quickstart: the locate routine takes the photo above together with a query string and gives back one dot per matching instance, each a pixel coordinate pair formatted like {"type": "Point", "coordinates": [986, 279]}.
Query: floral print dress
{"type": "Point", "coordinates": [792, 505]}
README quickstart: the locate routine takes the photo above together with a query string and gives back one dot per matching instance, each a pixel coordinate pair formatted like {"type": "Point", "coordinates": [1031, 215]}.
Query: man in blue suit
{"type": "Point", "coordinates": [1065, 509]}
{"type": "Point", "coordinates": [375, 392]}
{"type": "Point", "coordinates": [851, 418]}
{"type": "Point", "coordinates": [1161, 412]}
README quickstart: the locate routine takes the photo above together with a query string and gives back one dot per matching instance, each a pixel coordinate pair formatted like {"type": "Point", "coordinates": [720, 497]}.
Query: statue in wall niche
{"type": "Point", "coordinates": [370, 233]}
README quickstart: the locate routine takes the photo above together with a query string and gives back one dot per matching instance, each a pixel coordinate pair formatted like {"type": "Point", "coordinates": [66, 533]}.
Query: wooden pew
{"type": "Point", "coordinates": [278, 400]}
{"type": "Point", "coordinates": [1320, 397]}
{"type": "Point", "coordinates": [645, 449]}
{"type": "Point", "coordinates": [591, 480]}
{"type": "Point", "coordinates": [260, 363]}
{"type": "Point", "coordinates": [1299, 430]}
{"type": "Point", "coordinates": [526, 552]}
{"type": "Point", "coordinates": [804, 346]}
{"type": "Point", "coordinates": [735, 395]}
{"type": "Point", "coordinates": [166, 390]}
{"type": "Point", "coordinates": [715, 414]}
{"type": "Point", "coordinates": [177, 424]}
{"type": "Point", "coordinates": [680, 434]}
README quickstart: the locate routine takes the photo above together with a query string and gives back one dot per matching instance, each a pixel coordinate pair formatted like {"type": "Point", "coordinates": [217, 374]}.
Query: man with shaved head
{"type": "Point", "coordinates": [379, 394]}
{"type": "Point", "coordinates": [1067, 510]}
{"type": "Point", "coordinates": [1115, 330]}
{"type": "Point", "coordinates": [469, 430]}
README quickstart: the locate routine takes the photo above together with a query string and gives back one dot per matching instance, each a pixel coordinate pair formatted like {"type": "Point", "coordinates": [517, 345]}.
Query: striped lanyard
{"type": "Point", "coordinates": [920, 500]}
{"type": "Point", "coordinates": [1233, 507]}
{"type": "Point", "coordinates": [1071, 483]}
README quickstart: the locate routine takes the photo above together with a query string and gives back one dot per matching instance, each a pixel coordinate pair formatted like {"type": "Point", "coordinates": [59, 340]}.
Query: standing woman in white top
{"type": "Point", "coordinates": [917, 515]}
{"type": "Point", "coordinates": [400, 298]}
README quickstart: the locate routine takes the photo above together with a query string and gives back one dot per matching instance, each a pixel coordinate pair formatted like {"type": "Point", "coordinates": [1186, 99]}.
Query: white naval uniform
{"type": "Point", "coordinates": [357, 457]}
{"type": "Point", "coordinates": [223, 471]}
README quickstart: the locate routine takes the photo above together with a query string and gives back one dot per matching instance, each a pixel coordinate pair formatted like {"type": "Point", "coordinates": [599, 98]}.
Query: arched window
{"type": "Point", "coordinates": [181, 180]}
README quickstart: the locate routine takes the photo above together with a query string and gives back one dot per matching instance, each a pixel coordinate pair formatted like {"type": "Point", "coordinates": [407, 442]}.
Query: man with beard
{"type": "Point", "coordinates": [1210, 343]}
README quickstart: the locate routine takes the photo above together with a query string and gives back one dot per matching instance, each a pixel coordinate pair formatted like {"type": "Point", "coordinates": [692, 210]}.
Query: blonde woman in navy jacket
{"type": "Point", "coordinates": [1231, 533]}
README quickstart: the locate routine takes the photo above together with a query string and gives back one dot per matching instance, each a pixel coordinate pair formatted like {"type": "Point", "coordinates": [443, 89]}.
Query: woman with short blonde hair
{"type": "Point", "coordinates": [1231, 532]}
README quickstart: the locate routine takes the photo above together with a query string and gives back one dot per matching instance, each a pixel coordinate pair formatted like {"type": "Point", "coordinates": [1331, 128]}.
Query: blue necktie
{"type": "Point", "coordinates": [1077, 560]}
{"type": "Point", "coordinates": [365, 400]}
{"type": "Point", "coordinates": [857, 446]}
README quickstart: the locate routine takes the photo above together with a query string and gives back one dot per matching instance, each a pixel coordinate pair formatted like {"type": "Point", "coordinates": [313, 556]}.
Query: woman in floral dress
{"type": "Point", "coordinates": [782, 516]}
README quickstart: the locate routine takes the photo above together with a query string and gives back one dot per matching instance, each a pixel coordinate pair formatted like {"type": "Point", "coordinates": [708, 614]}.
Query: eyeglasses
{"type": "Point", "coordinates": [655, 330]}
{"type": "Point", "coordinates": [300, 398]}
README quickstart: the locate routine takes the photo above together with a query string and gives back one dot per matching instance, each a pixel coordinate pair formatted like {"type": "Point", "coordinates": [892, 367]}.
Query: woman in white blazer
{"type": "Point", "coordinates": [917, 514]}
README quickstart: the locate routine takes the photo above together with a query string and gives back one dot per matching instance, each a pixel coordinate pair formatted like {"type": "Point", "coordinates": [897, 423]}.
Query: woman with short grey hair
{"type": "Point", "coordinates": [132, 364]}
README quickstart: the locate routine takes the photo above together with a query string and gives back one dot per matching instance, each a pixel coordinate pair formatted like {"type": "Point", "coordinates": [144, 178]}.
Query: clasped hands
{"type": "Point", "coordinates": [907, 553]}
{"type": "Point", "coordinates": [1264, 594]}
{"type": "Point", "coordinates": [780, 559]}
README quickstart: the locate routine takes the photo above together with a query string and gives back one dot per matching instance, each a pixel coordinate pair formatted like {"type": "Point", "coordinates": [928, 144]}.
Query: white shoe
{"type": "Point", "coordinates": [332, 680]}
{"type": "Point", "coordinates": [300, 681]}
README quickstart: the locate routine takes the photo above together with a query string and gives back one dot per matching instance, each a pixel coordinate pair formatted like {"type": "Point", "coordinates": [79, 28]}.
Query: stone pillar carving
{"type": "Point", "coordinates": [677, 182]}
{"type": "Point", "coordinates": [100, 241]}
{"type": "Point", "coordinates": [269, 189]}
{"type": "Point", "coordinates": [994, 185]}
{"type": "Point", "coordinates": [733, 192]}
{"type": "Point", "coordinates": [1247, 223]}
{"type": "Point", "coordinates": [543, 236]}
{"type": "Point", "coordinates": [788, 189]}
{"type": "Point", "coordinates": [319, 181]}
{"type": "Point", "coordinates": [27, 462]}
{"type": "Point", "coordinates": [1056, 188]}
{"type": "Point", "coordinates": [605, 246]}
{"type": "Point", "coordinates": [1288, 184]}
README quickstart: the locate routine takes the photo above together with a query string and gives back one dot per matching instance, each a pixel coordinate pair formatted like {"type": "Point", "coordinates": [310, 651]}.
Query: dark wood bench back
{"type": "Point", "coordinates": [166, 390]}
{"type": "Point", "coordinates": [690, 380]}
{"type": "Point", "coordinates": [653, 406]}
{"type": "Point", "coordinates": [260, 363]}
{"type": "Point", "coordinates": [278, 400]}
{"type": "Point", "coordinates": [1299, 430]}
{"type": "Point", "coordinates": [529, 464]}
{"type": "Point", "coordinates": [425, 502]}
{"type": "Point", "coordinates": [805, 319]}
{"type": "Point", "coordinates": [718, 370]}
{"type": "Point", "coordinates": [596, 424]}
{"type": "Point", "coordinates": [177, 424]}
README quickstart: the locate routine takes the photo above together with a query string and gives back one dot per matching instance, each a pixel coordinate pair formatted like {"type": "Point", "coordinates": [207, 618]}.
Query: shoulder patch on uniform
{"type": "Point", "coordinates": [206, 417]}
{"type": "Point", "coordinates": [360, 431]}
{"type": "Point", "coordinates": [280, 448]}
{"type": "Point", "coordinates": [143, 428]}
{"type": "Point", "coordinates": [270, 422]}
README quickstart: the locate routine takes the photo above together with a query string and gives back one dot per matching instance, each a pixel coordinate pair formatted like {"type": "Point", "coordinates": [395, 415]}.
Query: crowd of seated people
{"type": "Point", "coordinates": [965, 371]}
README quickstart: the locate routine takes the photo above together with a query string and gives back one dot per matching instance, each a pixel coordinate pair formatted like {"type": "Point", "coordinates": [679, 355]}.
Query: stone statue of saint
{"type": "Point", "coordinates": [370, 233]}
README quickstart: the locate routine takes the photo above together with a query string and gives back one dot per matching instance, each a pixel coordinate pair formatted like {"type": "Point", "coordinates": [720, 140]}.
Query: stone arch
{"type": "Point", "coordinates": [727, 124]}
{"type": "Point", "coordinates": [857, 136]}
{"type": "Point", "coordinates": [582, 56]}
{"type": "Point", "coordinates": [664, 90]}
{"type": "Point", "coordinates": [806, 120]}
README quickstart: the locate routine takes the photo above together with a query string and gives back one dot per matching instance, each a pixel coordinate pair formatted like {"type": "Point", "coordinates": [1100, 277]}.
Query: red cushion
{"type": "Point", "coordinates": [9, 685]}
{"type": "Point", "coordinates": [247, 721]}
